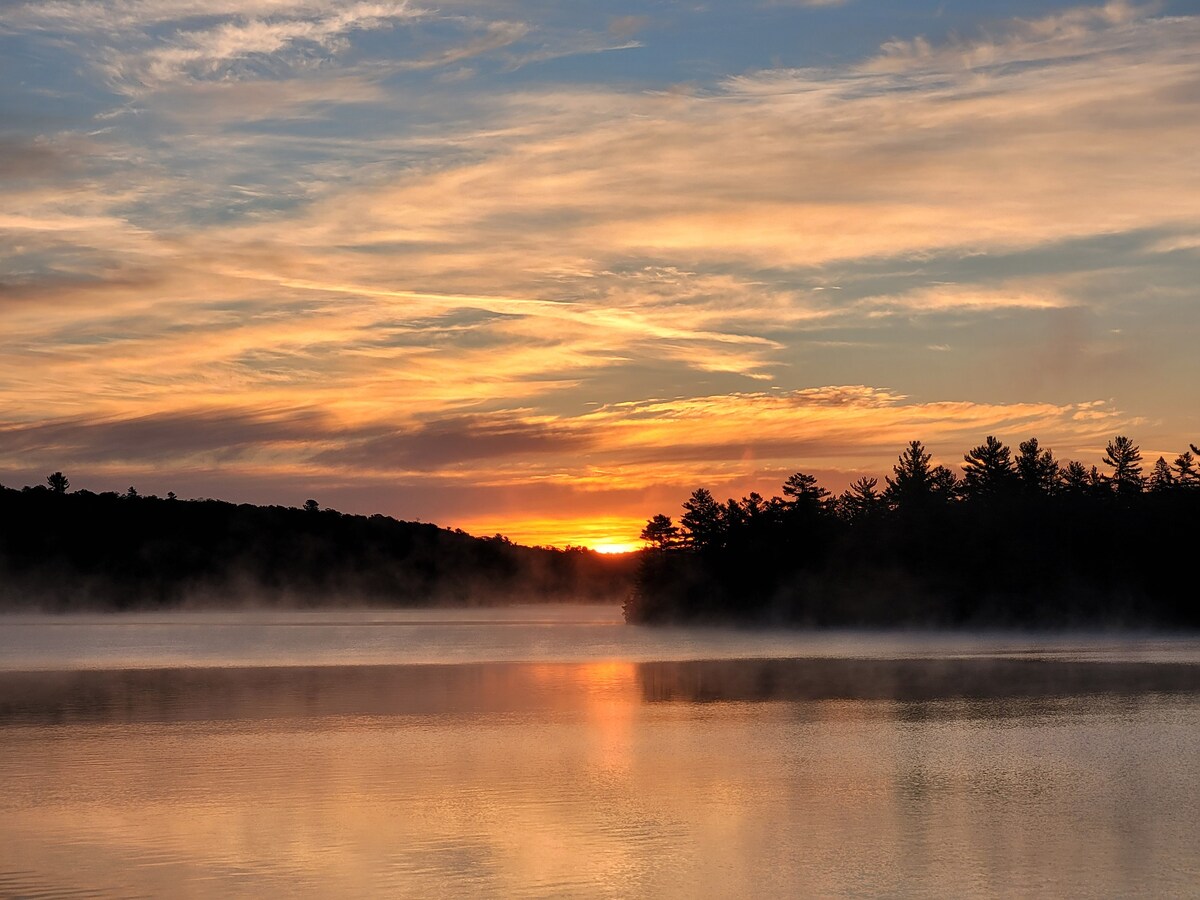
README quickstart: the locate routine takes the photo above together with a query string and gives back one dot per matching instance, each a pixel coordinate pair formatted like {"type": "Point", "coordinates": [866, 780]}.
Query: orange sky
{"type": "Point", "coordinates": [543, 272]}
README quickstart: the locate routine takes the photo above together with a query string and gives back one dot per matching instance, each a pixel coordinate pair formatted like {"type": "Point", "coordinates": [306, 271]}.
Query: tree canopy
{"type": "Point", "coordinates": [1014, 541]}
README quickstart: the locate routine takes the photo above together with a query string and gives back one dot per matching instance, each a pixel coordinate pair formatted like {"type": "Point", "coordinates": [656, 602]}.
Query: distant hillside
{"type": "Point", "coordinates": [80, 550]}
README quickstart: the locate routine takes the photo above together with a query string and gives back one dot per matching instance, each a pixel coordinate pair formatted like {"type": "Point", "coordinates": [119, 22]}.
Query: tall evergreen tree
{"type": "Point", "coordinates": [1125, 458]}
{"type": "Point", "coordinates": [703, 519]}
{"type": "Point", "coordinates": [988, 469]}
{"type": "Point", "coordinates": [660, 533]}
{"type": "Point", "coordinates": [913, 484]}
{"type": "Point", "coordinates": [753, 506]}
{"type": "Point", "coordinates": [1074, 478]}
{"type": "Point", "coordinates": [1161, 477]}
{"type": "Point", "coordinates": [803, 496]}
{"type": "Point", "coordinates": [944, 484]}
{"type": "Point", "coordinates": [1185, 470]}
{"type": "Point", "coordinates": [1037, 468]}
{"type": "Point", "coordinates": [733, 516]}
{"type": "Point", "coordinates": [860, 501]}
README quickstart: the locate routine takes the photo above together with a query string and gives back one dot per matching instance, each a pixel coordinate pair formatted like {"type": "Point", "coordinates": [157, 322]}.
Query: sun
{"type": "Point", "coordinates": [606, 546]}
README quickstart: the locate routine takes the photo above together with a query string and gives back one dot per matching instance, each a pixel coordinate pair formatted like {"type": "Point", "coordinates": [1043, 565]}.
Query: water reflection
{"type": "Point", "coordinates": [907, 680]}
{"type": "Point", "coordinates": [604, 779]}
{"type": "Point", "coordinates": [224, 694]}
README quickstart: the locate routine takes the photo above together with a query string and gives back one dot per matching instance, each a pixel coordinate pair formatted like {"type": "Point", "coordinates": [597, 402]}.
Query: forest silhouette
{"type": "Point", "coordinates": [1013, 539]}
{"type": "Point", "coordinates": [63, 550]}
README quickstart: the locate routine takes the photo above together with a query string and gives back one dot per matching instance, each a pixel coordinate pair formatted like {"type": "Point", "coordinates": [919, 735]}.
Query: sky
{"type": "Point", "coordinates": [542, 269]}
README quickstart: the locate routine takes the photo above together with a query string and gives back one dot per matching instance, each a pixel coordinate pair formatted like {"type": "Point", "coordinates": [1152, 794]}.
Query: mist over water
{"type": "Point", "coordinates": [537, 752]}
{"type": "Point", "coordinates": [534, 633]}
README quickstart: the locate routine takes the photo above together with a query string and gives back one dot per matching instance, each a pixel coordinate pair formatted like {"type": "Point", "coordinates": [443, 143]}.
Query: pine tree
{"type": "Point", "coordinates": [703, 519]}
{"type": "Point", "coordinates": [988, 469]}
{"type": "Point", "coordinates": [860, 501]}
{"type": "Point", "coordinates": [1037, 468]}
{"type": "Point", "coordinates": [1161, 477]}
{"type": "Point", "coordinates": [944, 483]}
{"type": "Point", "coordinates": [1125, 458]}
{"type": "Point", "coordinates": [1185, 470]}
{"type": "Point", "coordinates": [753, 506]}
{"type": "Point", "coordinates": [1075, 478]}
{"type": "Point", "coordinates": [660, 533]}
{"type": "Point", "coordinates": [803, 495]}
{"type": "Point", "coordinates": [913, 484]}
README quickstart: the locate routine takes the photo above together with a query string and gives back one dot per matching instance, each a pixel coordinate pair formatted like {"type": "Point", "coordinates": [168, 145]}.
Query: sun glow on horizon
{"type": "Point", "coordinates": [612, 547]}
{"type": "Point", "coordinates": [602, 534]}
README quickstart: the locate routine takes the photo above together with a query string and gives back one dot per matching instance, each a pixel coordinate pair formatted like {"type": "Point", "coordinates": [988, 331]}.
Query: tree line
{"type": "Point", "coordinates": [63, 549]}
{"type": "Point", "coordinates": [1011, 538]}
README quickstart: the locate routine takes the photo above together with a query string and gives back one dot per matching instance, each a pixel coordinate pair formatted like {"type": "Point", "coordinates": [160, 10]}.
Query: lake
{"type": "Point", "coordinates": [554, 751]}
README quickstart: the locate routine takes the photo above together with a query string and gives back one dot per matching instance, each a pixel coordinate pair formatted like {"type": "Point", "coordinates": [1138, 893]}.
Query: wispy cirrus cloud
{"type": "Point", "coordinates": [215, 52]}
{"type": "Point", "coordinates": [1072, 33]}
{"type": "Point", "coordinates": [142, 48]}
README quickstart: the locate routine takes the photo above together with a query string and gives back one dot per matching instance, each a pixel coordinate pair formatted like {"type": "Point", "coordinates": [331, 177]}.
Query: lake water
{"type": "Point", "coordinates": [554, 751]}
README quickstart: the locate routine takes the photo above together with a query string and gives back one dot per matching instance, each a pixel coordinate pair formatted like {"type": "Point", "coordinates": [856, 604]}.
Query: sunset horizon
{"type": "Point", "coordinates": [634, 448]}
{"type": "Point", "coordinates": [516, 269]}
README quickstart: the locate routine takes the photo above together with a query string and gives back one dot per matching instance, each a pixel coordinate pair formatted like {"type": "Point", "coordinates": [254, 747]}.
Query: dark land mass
{"type": "Point", "coordinates": [1013, 542]}
{"type": "Point", "coordinates": [63, 551]}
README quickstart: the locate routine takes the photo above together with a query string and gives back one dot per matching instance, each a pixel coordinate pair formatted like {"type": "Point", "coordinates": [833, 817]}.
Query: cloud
{"type": "Point", "coordinates": [792, 169]}
{"type": "Point", "coordinates": [539, 285]}
{"type": "Point", "coordinates": [1175, 243]}
{"type": "Point", "coordinates": [219, 102]}
{"type": "Point", "coordinates": [174, 436]}
{"type": "Point", "coordinates": [1068, 35]}
{"type": "Point", "coordinates": [216, 52]}
{"type": "Point", "coordinates": [640, 440]}
{"type": "Point", "coordinates": [491, 36]}
{"type": "Point", "coordinates": [143, 48]}
{"type": "Point", "coordinates": [1031, 295]}
{"type": "Point", "coordinates": [113, 16]}
{"type": "Point", "coordinates": [821, 424]}
{"type": "Point", "coordinates": [444, 443]}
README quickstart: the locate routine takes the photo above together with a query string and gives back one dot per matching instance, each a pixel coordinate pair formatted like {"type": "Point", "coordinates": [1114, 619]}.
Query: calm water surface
{"type": "Point", "coordinates": [556, 752]}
